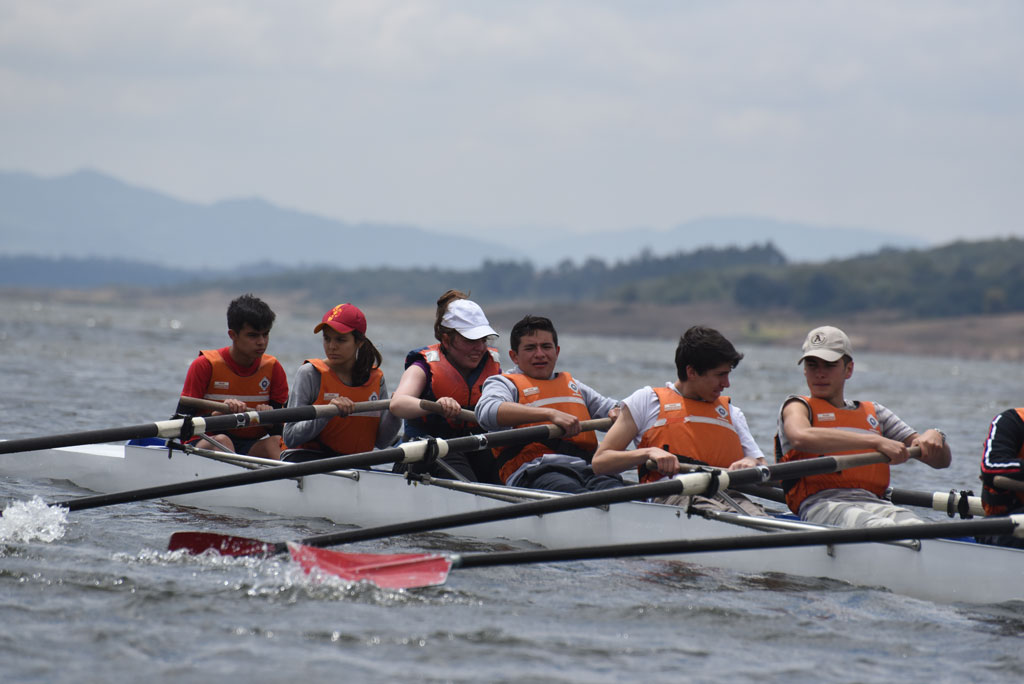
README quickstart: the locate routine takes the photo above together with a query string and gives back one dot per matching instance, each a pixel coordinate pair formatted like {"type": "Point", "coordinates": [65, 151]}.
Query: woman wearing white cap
{"type": "Point", "coordinates": [350, 373]}
{"type": "Point", "coordinates": [450, 372]}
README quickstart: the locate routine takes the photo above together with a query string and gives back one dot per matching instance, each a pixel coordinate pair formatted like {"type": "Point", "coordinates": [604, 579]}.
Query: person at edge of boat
{"type": "Point", "coordinates": [825, 423]}
{"type": "Point", "coordinates": [244, 377]}
{"type": "Point", "coordinates": [1003, 455]}
{"type": "Point", "coordinates": [690, 420]}
{"type": "Point", "coordinates": [532, 392]}
{"type": "Point", "coordinates": [349, 373]}
{"type": "Point", "coordinates": [450, 372]}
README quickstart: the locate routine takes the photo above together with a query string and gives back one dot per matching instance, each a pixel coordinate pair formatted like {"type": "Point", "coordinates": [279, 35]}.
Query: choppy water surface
{"type": "Point", "coordinates": [105, 602]}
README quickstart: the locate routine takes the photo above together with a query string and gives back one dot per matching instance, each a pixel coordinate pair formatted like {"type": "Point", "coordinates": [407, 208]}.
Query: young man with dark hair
{"type": "Point", "coordinates": [244, 377]}
{"type": "Point", "coordinates": [534, 392]}
{"type": "Point", "coordinates": [688, 419]}
{"type": "Point", "coordinates": [825, 423]}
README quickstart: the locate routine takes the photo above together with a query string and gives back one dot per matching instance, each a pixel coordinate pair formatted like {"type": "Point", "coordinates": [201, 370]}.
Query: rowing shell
{"type": "Point", "coordinates": [939, 570]}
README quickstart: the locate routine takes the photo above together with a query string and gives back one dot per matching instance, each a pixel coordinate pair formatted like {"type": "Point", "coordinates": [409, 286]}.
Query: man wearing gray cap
{"type": "Point", "coordinates": [825, 423]}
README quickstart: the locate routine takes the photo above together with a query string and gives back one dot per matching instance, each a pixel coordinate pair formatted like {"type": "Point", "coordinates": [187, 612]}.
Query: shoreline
{"type": "Point", "coordinates": [983, 337]}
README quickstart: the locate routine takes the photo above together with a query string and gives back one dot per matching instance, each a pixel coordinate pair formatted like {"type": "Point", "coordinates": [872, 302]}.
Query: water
{"type": "Point", "coordinates": [104, 602]}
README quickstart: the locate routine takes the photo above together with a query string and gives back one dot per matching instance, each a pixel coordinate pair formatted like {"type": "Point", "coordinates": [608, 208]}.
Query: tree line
{"type": "Point", "coordinates": [956, 279]}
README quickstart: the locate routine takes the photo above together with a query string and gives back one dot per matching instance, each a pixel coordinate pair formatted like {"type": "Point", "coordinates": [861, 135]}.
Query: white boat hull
{"type": "Point", "coordinates": [940, 570]}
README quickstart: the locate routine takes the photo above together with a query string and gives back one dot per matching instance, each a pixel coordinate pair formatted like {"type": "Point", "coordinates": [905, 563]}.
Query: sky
{"type": "Point", "coordinates": [473, 117]}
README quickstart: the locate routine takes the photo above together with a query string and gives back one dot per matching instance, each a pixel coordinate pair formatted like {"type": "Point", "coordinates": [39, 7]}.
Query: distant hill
{"type": "Point", "coordinates": [93, 272]}
{"type": "Point", "coordinates": [88, 214]}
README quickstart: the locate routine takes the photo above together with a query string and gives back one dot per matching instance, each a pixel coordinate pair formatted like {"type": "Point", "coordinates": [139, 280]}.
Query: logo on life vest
{"type": "Point", "coordinates": [373, 397]}
{"type": "Point", "coordinates": [673, 407]}
{"type": "Point", "coordinates": [822, 417]}
{"type": "Point", "coordinates": [531, 391]}
{"type": "Point", "coordinates": [873, 422]}
{"type": "Point", "coordinates": [264, 384]}
{"type": "Point", "coordinates": [722, 412]}
{"type": "Point", "coordinates": [221, 384]}
{"type": "Point", "coordinates": [574, 387]}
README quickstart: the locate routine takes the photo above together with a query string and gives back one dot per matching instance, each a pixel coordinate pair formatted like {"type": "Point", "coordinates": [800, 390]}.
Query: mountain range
{"type": "Point", "coordinates": [91, 215]}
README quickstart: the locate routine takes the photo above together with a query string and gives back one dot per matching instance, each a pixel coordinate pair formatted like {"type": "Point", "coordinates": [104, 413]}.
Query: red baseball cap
{"type": "Point", "coordinates": [343, 318]}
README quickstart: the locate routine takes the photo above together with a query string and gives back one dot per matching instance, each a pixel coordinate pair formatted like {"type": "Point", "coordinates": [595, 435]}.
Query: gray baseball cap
{"type": "Point", "coordinates": [827, 343]}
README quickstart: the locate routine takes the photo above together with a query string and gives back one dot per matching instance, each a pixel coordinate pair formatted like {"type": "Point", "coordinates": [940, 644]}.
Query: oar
{"type": "Point", "coordinates": [361, 406]}
{"type": "Point", "coordinates": [408, 452]}
{"type": "Point", "coordinates": [184, 428]}
{"type": "Point", "coordinates": [407, 571]}
{"type": "Point", "coordinates": [691, 483]}
{"type": "Point", "coordinates": [1003, 482]}
{"type": "Point", "coordinates": [952, 503]}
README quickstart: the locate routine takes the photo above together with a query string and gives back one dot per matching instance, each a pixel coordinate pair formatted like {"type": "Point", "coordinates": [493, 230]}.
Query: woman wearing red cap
{"type": "Point", "coordinates": [350, 373]}
{"type": "Point", "coordinates": [451, 373]}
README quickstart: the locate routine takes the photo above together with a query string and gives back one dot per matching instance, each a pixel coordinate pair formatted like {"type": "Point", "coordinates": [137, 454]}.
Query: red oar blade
{"type": "Point", "coordinates": [224, 544]}
{"type": "Point", "coordinates": [389, 571]}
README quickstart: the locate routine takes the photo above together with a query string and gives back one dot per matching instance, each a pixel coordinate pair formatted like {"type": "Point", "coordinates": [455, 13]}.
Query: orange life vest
{"type": "Point", "coordinates": [561, 393]}
{"type": "Point", "coordinates": [700, 430]}
{"type": "Point", "coordinates": [252, 389]}
{"type": "Point", "coordinates": [447, 381]}
{"type": "Point", "coordinates": [352, 434]}
{"type": "Point", "coordinates": [873, 477]}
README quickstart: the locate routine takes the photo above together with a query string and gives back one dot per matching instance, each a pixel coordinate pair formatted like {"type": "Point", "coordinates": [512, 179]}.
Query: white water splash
{"type": "Point", "coordinates": [32, 520]}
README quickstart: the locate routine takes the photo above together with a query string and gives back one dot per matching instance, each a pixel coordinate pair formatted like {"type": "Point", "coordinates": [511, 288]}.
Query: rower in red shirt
{"type": "Point", "coordinates": [244, 377]}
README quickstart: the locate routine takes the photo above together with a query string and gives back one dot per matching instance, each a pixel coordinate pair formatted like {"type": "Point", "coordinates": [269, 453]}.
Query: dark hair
{"type": "Point", "coordinates": [367, 358]}
{"type": "Point", "coordinates": [704, 348]}
{"type": "Point", "coordinates": [442, 308]}
{"type": "Point", "coordinates": [527, 325]}
{"type": "Point", "coordinates": [251, 310]}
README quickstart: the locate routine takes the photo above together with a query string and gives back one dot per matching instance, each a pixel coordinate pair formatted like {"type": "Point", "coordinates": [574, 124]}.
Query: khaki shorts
{"type": "Point", "coordinates": [838, 513]}
{"type": "Point", "coordinates": [715, 503]}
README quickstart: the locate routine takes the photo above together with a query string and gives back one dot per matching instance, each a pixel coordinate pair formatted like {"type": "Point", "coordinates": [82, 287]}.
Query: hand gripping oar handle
{"type": "Point", "coordinates": [465, 415]}
{"type": "Point", "coordinates": [408, 452]}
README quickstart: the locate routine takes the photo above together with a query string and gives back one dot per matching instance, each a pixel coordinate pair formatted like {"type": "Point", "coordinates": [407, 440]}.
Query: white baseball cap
{"type": "Point", "coordinates": [827, 343]}
{"type": "Point", "coordinates": [468, 319]}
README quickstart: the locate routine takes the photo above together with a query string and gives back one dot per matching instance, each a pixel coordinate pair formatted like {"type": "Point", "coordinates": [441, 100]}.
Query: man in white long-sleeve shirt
{"type": "Point", "coordinates": [688, 419]}
{"type": "Point", "coordinates": [534, 392]}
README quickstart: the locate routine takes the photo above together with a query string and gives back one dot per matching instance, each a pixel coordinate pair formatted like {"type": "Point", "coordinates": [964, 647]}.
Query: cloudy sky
{"type": "Point", "coordinates": [901, 116]}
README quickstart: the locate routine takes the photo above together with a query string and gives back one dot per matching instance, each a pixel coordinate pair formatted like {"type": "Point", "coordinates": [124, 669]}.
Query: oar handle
{"type": "Point", "coordinates": [465, 415]}
{"type": "Point", "coordinates": [1003, 482]}
{"type": "Point", "coordinates": [842, 462]}
{"type": "Point", "coordinates": [204, 404]}
{"type": "Point", "coordinates": [210, 405]}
